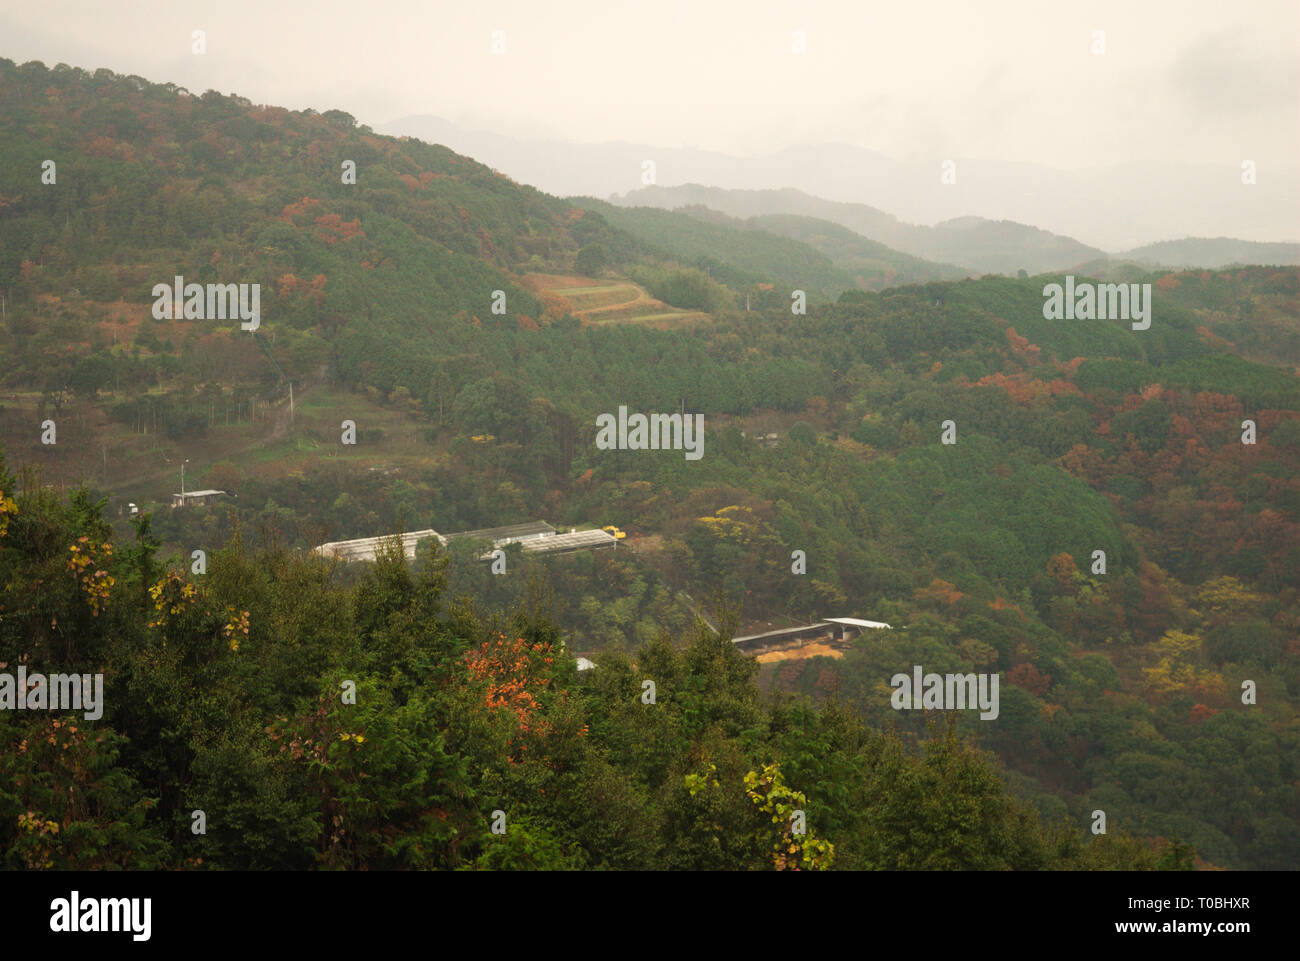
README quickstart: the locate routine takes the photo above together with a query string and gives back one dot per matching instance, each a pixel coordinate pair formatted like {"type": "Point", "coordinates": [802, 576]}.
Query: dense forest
{"type": "Point", "coordinates": [229, 701]}
{"type": "Point", "coordinates": [1122, 683]}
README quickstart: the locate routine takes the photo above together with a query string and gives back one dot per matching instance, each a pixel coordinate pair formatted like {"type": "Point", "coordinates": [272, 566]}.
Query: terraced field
{"type": "Point", "coordinates": [610, 302]}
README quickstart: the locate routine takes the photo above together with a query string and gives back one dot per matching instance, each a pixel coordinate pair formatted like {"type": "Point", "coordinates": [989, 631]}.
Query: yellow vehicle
{"type": "Point", "coordinates": [618, 534]}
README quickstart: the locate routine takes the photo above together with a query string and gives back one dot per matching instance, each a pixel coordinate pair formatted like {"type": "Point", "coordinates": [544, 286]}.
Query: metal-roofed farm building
{"type": "Point", "coordinates": [535, 537]}
{"type": "Point", "coordinates": [570, 542]}
{"type": "Point", "coordinates": [827, 629]}
{"type": "Point", "coordinates": [367, 548]}
{"type": "Point", "coordinates": [501, 536]}
{"type": "Point", "coordinates": [196, 498]}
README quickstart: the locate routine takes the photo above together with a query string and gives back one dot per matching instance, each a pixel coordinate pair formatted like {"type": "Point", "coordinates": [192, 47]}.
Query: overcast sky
{"type": "Point", "coordinates": [1203, 81]}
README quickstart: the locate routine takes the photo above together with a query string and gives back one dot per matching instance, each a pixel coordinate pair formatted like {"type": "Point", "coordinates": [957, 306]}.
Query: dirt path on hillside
{"type": "Point", "coordinates": [642, 299]}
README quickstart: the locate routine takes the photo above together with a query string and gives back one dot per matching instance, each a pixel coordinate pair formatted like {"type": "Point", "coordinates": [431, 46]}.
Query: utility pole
{"type": "Point", "coordinates": [291, 402]}
{"type": "Point", "coordinates": [183, 463]}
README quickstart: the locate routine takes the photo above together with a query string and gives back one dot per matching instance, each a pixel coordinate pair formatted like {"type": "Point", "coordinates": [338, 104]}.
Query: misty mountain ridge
{"type": "Point", "coordinates": [980, 245]}
{"type": "Point", "coordinates": [975, 243]}
{"type": "Point", "coordinates": [1117, 208]}
{"type": "Point", "coordinates": [821, 257]}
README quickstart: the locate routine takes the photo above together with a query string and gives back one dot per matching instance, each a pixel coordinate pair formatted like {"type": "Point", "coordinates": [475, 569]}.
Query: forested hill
{"type": "Point", "coordinates": [977, 244]}
{"type": "Point", "coordinates": [792, 253]}
{"type": "Point", "coordinates": [1174, 450]}
{"type": "Point", "coordinates": [151, 181]}
{"type": "Point", "coordinates": [1214, 252]}
{"type": "Point", "coordinates": [854, 252]}
{"type": "Point", "coordinates": [221, 700]}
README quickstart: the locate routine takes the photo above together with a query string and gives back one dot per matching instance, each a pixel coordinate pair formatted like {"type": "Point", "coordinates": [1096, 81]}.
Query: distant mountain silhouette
{"type": "Point", "coordinates": [1115, 208]}
{"type": "Point", "coordinates": [979, 245]}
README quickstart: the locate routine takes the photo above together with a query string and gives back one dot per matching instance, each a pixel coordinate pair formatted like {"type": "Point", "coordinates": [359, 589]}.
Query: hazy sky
{"type": "Point", "coordinates": [1181, 80]}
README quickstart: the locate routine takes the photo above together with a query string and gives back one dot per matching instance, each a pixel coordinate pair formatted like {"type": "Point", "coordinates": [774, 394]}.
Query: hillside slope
{"type": "Point", "coordinates": [152, 182]}
{"type": "Point", "coordinates": [757, 256]}
{"type": "Point", "coordinates": [876, 265]}
{"type": "Point", "coordinates": [983, 246]}
{"type": "Point", "coordinates": [1214, 252]}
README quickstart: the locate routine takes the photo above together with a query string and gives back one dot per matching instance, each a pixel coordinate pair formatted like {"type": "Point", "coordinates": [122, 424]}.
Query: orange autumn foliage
{"type": "Point", "coordinates": [1083, 462]}
{"type": "Point", "coordinates": [1022, 348]}
{"type": "Point", "coordinates": [512, 675]}
{"type": "Point", "coordinates": [553, 306]}
{"type": "Point", "coordinates": [1029, 678]}
{"type": "Point", "coordinates": [1062, 568]}
{"type": "Point", "coordinates": [1002, 604]}
{"type": "Point", "coordinates": [297, 207]}
{"type": "Point", "coordinates": [334, 228]}
{"type": "Point", "coordinates": [314, 288]}
{"type": "Point", "coordinates": [939, 592]}
{"type": "Point", "coordinates": [110, 149]}
{"type": "Point", "coordinates": [1023, 389]}
{"type": "Point", "coordinates": [1201, 713]}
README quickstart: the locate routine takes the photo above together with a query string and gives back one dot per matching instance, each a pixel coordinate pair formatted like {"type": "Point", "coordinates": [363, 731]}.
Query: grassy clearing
{"type": "Point", "coordinates": [672, 318]}
{"type": "Point", "coordinates": [603, 302]}
{"type": "Point", "coordinates": [145, 467]}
